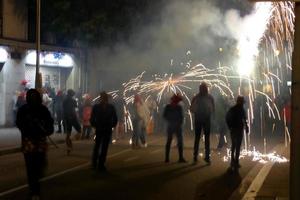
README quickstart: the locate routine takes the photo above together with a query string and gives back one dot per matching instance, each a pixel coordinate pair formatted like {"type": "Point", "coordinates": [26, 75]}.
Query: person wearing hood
{"type": "Point", "coordinates": [203, 107]}
{"type": "Point", "coordinates": [35, 123]}
{"type": "Point", "coordinates": [173, 114]}
{"type": "Point", "coordinates": [236, 120]}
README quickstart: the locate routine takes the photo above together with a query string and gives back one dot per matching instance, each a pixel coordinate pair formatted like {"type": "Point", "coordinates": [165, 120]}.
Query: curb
{"type": "Point", "coordinates": [12, 150]}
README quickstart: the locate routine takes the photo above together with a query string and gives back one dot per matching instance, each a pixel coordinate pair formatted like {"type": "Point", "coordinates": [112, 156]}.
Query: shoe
{"type": "Point", "coordinates": [207, 160]}
{"type": "Point", "coordinates": [182, 160]}
{"type": "Point", "coordinates": [58, 131]}
{"type": "Point", "coordinates": [195, 159]}
{"type": "Point", "coordinates": [102, 169]}
{"type": "Point", "coordinates": [35, 197]}
{"type": "Point", "coordinates": [167, 160]}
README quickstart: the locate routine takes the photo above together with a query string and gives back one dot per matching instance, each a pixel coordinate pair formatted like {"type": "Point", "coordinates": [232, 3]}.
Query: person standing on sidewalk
{"type": "Point", "coordinates": [174, 116]}
{"type": "Point", "coordinates": [104, 119]}
{"type": "Point", "coordinates": [35, 123]}
{"type": "Point", "coordinates": [237, 121]}
{"type": "Point", "coordinates": [203, 107]}
{"type": "Point", "coordinates": [70, 118]}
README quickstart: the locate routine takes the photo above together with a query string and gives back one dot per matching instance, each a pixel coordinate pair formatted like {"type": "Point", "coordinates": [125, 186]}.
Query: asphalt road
{"type": "Point", "coordinates": [132, 174]}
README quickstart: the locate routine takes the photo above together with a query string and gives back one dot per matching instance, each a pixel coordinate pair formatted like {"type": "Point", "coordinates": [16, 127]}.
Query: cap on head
{"type": "Point", "coordinates": [176, 98]}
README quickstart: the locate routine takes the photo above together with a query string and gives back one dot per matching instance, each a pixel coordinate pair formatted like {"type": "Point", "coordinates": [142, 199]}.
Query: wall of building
{"type": "Point", "coordinates": [15, 24]}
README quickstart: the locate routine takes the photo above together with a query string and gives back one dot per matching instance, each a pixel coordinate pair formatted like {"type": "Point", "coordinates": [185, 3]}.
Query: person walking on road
{"type": "Point", "coordinates": [104, 119]}
{"type": "Point", "coordinates": [141, 117]}
{"type": "Point", "coordinates": [237, 121]}
{"type": "Point", "coordinates": [203, 107]}
{"type": "Point", "coordinates": [173, 114]}
{"type": "Point", "coordinates": [35, 123]}
{"type": "Point", "coordinates": [70, 118]}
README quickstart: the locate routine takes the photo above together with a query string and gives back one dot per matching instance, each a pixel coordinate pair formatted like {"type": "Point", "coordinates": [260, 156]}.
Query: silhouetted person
{"type": "Point", "coordinates": [237, 121]}
{"type": "Point", "coordinates": [203, 107]}
{"type": "Point", "coordinates": [70, 118]}
{"type": "Point", "coordinates": [173, 114]}
{"type": "Point", "coordinates": [86, 116]}
{"type": "Point", "coordinates": [220, 123]}
{"type": "Point", "coordinates": [141, 116]}
{"type": "Point", "coordinates": [103, 118]}
{"type": "Point", "coordinates": [58, 109]}
{"type": "Point", "coordinates": [35, 123]}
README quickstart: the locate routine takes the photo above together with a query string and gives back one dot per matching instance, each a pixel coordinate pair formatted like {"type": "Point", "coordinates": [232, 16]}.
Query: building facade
{"type": "Point", "coordinates": [61, 68]}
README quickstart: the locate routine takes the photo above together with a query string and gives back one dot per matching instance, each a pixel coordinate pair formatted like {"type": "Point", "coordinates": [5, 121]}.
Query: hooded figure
{"type": "Point", "coordinates": [237, 121]}
{"type": "Point", "coordinates": [103, 118]}
{"type": "Point", "coordinates": [173, 114]}
{"type": "Point", "coordinates": [203, 107]}
{"type": "Point", "coordinates": [35, 123]}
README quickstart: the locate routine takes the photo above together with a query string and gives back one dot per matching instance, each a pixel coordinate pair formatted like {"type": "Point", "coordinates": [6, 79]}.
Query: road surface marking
{"type": "Point", "coordinates": [59, 174]}
{"type": "Point", "coordinates": [253, 181]}
{"type": "Point", "coordinates": [66, 171]}
{"type": "Point", "coordinates": [131, 159]}
{"type": "Point", "coordinates": [155, 151]}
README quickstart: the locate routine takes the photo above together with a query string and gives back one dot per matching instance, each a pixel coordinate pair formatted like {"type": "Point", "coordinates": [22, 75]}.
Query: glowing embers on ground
{"type": "Point", "coordinates": [257, 156]}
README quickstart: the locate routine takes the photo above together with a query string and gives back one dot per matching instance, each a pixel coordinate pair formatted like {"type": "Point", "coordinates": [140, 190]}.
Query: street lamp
{"type": "Point", "coordinates": [38, 77]}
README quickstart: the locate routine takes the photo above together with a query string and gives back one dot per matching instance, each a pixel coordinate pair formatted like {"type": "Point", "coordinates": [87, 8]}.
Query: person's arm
{"type": "Point", "coordinates": [114, 117]}
{"type": "Point", "coordinates": [180, 115]}
{"type": "Point", "coordinates": [49, 122]}
{"type": "Point", "coordinates": [93, 120]}
{"type": "Point", "coordinates": [245, 121]}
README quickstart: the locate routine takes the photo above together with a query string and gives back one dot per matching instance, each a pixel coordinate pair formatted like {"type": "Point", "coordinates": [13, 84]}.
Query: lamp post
{"type": "Point", "coordinates": [38, 78]}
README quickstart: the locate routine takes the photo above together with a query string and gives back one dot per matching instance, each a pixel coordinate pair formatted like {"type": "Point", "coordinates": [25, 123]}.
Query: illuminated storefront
{"type": "Point", "coordinates": [55, 68]}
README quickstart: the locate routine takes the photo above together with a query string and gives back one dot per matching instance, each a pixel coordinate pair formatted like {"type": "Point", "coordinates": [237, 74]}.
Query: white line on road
{"type": "Point", "coordinates": [59, 174]}
{"type": "Point", "coordinates": [66, 171]}
{"type": "Point", "coordinates": [131, 159]}
{"type": "Point", "coordinates": [155, 151]}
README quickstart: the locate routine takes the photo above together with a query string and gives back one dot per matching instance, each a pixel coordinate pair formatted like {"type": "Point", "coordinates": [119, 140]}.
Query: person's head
{"type": "Point", "coordinates": [103, 97]}
{"type": "Point", "coordinates": [70, 92]}
{"type": "Point", "coordinates": [137, 99]}
{"type": "Point", "coordinates": [33, 97]}
{"type": "Point", "coordinates": [175, 99]}
{"type": "Point", "coordinates": [203, 89]}
{"type": "Point", "coordinates": [240, 100]}
{"type": "Point", "coordinates": [59, 93]}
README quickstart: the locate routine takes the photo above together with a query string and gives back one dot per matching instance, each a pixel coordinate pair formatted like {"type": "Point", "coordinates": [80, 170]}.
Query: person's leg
{"type": "Point", "coordinates": [76, 125]}
{"type": "Point", "coordinates": [88, 132]}
{"type": "Point", "coordinates": [238, 147]}
{"type": "Point", "coordinates": [33, 173]}
{"type": "Point", "coordinates": [180, 144]}
{"type": "Point", "coordinates": [104, 149]}
{"type": "Point", "coordinates": [168, 144]}
{"type": "Point", "coordinates": [207, 140]}
{"type": "Point", "coordinates": [143, 134]}
{"type": "Point", "coordinates": [233, 147]}
{"type": "Point", "coordinates": [84, 131]}
{"type": "Point", "coordinates": [68, 135]}
{"type": "Point", "coordinates": [135, 133]}
{"type": "Point", "coordinates": [198, 127]}
{"type": "Point", "coordinates": [222, 134]}
{"type": "Point", "coordinates": [95, 155]}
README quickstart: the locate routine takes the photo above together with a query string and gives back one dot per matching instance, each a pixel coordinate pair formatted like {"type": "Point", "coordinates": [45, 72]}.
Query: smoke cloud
{"type": "Point", "coordinates": [187, 31]}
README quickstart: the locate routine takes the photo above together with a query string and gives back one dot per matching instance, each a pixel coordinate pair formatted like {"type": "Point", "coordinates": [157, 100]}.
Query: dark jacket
{"type": "Point", "coordinates": [103, 117]}
{"type": "Point", "coordinates": [69, 107]}
{"type": "Point", "coordinates": [173, 114]}
{"type": "Point", "coordinates": [236, 117]}
{"type": "Point", "coordinates": [203, 106]}
{"type": "Point", "coordinates": [34, 122]}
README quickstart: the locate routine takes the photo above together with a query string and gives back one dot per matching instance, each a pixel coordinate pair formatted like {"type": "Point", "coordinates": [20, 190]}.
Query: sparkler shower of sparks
{"type": "Point", "coordinates": [273, 24]}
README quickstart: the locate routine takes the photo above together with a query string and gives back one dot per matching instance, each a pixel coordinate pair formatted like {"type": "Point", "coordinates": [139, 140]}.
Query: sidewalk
{"type": "Point", "coordinates": [10, 140]}
{"type": "Point", "coordinates": [276, 184]}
